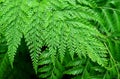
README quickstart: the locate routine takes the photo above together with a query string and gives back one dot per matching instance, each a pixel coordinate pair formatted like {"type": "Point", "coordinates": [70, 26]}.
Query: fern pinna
{"type": "Point", "coordinates": [68, 30]}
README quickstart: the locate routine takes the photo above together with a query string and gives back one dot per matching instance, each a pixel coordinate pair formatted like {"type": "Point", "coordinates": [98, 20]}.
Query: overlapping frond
{"type": "Point", "coordinates": [70, 24]}
{"type": "Point", "coordinates": [11, 23]}
{"type": "Point", "coordinates": [110, 13]}
{"type": "Point", "coordinates": [111, 28]}
{"type": "Point", "coordinates": [33, 36]}
{"type": "Point", "coordinates": [47, 69]}
{"type": "Point", "coordinates": [66, 27]}
{"type": "Point", "coordinates": [69, 30]}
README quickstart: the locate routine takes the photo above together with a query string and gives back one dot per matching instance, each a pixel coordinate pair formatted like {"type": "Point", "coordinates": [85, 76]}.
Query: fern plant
{"type": "Point", "coordinates": [110, 13]}
{"type": "Point", "coordinates": [64, 37]}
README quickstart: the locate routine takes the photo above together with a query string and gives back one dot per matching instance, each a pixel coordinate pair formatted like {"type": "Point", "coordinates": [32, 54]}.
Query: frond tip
{"type": "Point", "coordinates": [13, 37]}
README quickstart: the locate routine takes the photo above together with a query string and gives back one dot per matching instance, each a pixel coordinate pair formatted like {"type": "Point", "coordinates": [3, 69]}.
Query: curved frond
{"type": "Point", "coordinates": [12, 26]}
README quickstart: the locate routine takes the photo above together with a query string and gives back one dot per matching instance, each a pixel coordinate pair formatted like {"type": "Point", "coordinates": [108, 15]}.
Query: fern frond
{"type": "Point", "coordinates": [13, 37]}
{"type": "Point", "coordinates": [74, 67]}
{"type": "Point", "coordinates": [47, 69]}
{"type": "Point", "coordinates": [66, 27]}
{"type": "Point", "coordinates": [89, 3]}
{"type": "Point", "coordinates": [74, 71]}
{"type": "Point", "coordinates": [74, 63]}
{"type": "Point", "coordinates": [63, 44]}
{"type": "Point", "coordinates": [33, 36]}
{"type": "Point", "coordinates": [111, 13]}
{"type": "Point", "coordinates": [75, 27]}
{"type": "Point", "coordinates": [108, 18]}
{"type": "Point", "coordinates": [12, 26]}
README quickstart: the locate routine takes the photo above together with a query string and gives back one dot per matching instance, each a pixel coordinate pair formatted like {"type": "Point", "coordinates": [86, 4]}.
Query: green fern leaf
{"type": "Point", "coordinates": [74, 71]}
{"type": "Point", "coordinates": [66, 27]}
{"type": "Point", "coordinates": [12, 27]}
{"type": "Point", "coordinates": [34, 43]}
{"type": "Point", "coordinates": [13, 37]}
{"type": "Point", "coordinates": [74, 63]}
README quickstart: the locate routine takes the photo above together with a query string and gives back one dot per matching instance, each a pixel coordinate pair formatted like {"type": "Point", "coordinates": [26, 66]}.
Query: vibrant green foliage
{"type": "Point", "coordinates": [79, 39]}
